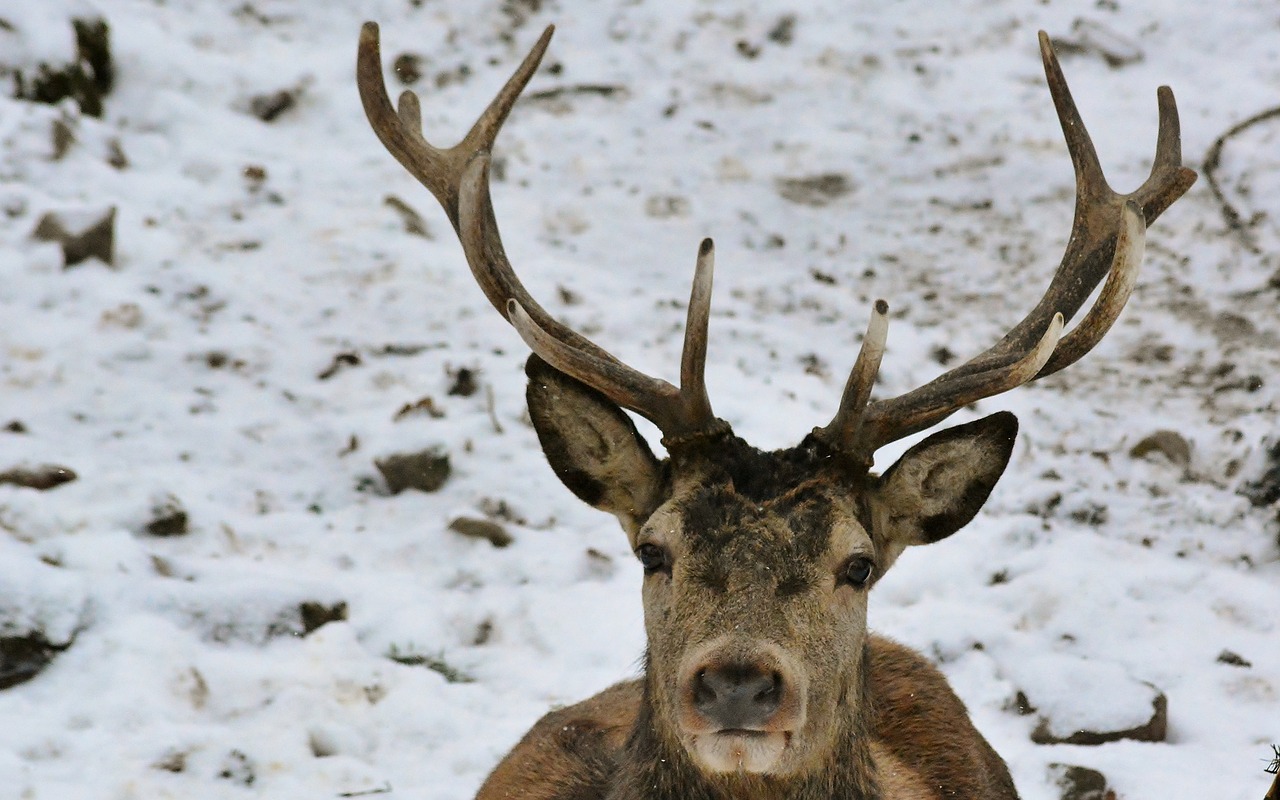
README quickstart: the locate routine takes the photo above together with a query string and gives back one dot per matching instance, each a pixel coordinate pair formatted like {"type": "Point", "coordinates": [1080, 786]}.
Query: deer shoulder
{"type": "Point", "coordinates": [761, 679]}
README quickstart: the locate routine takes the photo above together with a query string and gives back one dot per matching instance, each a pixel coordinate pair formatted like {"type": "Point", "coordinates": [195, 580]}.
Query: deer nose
{"type": "Point", "coordinates": [737, 696]}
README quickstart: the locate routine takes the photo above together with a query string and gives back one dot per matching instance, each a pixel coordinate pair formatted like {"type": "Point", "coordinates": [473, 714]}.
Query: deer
{"type": "Point", "coordinates": [760, 678]}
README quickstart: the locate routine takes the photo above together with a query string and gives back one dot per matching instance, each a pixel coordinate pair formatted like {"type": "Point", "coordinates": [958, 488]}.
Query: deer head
{"type": "Point", "coordinates": [758, 564]}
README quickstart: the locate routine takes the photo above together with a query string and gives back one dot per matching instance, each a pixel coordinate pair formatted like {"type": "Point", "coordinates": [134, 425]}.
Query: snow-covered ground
{"type": "Point", "coordinates": [253, 257]}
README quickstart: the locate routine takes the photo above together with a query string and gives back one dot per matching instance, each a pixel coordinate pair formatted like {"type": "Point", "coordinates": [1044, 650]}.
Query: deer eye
{"type": "Point", "coordinates": [858, 571]}
{"type": "Point", "coordinates": [653, 558]}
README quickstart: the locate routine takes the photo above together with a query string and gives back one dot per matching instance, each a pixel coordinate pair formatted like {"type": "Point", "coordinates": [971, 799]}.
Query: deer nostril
{"type": "Point", "coordinates": [703, 694]}
{"type": "Point", "coordinates": [772, 692]}
{"type": "Point", "coordinates": [737, 696]}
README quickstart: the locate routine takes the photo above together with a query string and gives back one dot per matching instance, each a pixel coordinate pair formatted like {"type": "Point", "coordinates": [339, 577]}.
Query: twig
{"type": "Point", "coordinates": [493, 412]}
{"type": "Point", "coordinates": [1213, 160]}
{"type": "Point", "coordinates": [601, 89]}
{"type": "Point", "coordinates": [1274, 768]}
{"type": "Point", "coordinates": [385, 789]}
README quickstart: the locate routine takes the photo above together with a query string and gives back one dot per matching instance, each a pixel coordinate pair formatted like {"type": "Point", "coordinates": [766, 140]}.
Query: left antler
{"type": "Point", "coordinates": [1107, 238]}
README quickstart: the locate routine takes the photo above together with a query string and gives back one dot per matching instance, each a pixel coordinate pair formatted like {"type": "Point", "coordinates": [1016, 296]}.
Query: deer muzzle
{"type": "Point", "coordinates": [740, 705]}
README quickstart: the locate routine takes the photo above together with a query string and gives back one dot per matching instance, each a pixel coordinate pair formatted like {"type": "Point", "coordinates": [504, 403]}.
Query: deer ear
{"type": "Point", "coordinates": [937, 487]}
{"type": "Point", "coordinates": [592, 445]}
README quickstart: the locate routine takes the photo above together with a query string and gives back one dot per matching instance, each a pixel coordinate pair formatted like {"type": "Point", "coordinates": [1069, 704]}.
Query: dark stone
{"type": "Point", "coordinates": [267, 107]}
{"type": "Point", "coordinates": [425, 471]}
{"type": "Point", "coordinates": [408, 68]}
{"type": "Point", "coordinates": [1266, 489]}
{"type": "Point", "coordinates": [1153, 730]}
{"type": "Point", "coordinates": [95, 241]}
{"type": "Point", "coordinates": [476, 528]}
{"type": "Point", "coordinates": [1170, 444]}
{"type": "Point", "coordinates": [24, 657]}
{"type": "Point", "coordinates": [1233, 659]}
{"type": "Point", "coordinates": [464, 383]}
{"type": "Point", "coordinates": [316, 615]}
{"type": "Point", "coordinates": [168, 518]}
{"type": "Point", "coordinates": [43, 477]}
{"type": "Point", "coordinates": [815, 190]}
{"type": "Point", "coordinates": [87, 80]}
{"type": "Point", "coordinates": [1079, 783]}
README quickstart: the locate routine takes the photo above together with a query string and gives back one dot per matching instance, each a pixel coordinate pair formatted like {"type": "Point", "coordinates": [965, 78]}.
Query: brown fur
{"type": "Point", "coordinates": [754, 548]}
{"type": "Point", "coordinates": [917, 757]}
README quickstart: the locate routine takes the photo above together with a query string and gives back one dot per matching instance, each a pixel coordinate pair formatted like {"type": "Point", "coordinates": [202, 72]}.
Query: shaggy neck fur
{"type": "Point", "coordinates": [654, 766]}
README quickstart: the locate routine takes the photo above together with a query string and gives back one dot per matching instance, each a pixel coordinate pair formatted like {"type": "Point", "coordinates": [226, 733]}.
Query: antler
{"type": "Point", "coordinates": [458, 177]}
{"type": "Point", "coordinates": [1107, 236]}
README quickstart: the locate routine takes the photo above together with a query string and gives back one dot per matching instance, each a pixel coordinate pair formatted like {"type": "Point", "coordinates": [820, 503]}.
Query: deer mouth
{"type": "Point", "coordinates": [740, 750]}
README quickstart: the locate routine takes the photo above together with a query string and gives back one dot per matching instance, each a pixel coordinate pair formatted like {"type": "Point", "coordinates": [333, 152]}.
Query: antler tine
{"type": "Point", "coordinates": [677, 412]}
{"type": "Point", "coordinates": [437, 168]}
{"type": "Point", "coordinates": [693, 359]}
{"type": "Point", "coordinates": [1084, 157]}
{"type": "Point", "coordinates": [924, 407]}
{"type": "Point", "coordinates": [441, 170]}
{"type": "Point", "coordinates": [1123, 276]}
{"type": "Point", "coordinates": [842, 432]}
{"type": "Point", "coordinates": [1169, 180]}
{"type": "Point", "coordinates": [1107, 236]}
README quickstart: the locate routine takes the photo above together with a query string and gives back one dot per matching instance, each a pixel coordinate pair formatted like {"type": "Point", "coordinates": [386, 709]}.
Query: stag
{"type": "Point", "coordinates": [760, 677]}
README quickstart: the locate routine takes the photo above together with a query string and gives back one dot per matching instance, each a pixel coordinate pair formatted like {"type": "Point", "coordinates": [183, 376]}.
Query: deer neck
{"type": "Point", "coordinates": [654, 766]}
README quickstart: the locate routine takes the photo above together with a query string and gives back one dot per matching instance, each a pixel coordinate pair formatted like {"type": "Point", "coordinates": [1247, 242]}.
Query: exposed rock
{"type": "Point", "coordinates": [168, 518]}
{"type": "Point", "coordinates": [24, 657]}
{"type": "Point", "coordinates": [316, 615]}
{"type": "Point", "coordinates": [1266, 489]}
{"type": "Point", "coordinates": [408, 68]}
{"type": "Point", "coordinates": [426, 471]}
{"type": "Point", "coordinates": [42, 477]}
{"type": "Point", "coordinates": [87, 80]}
{"type": "Point", "coordinates": [1079, 783]}
{"type": "Point", "coordinates": [267, 107]}
{"type": "Point", "coordinates": [1233, 659]}
{"type": "Point", "coordinates": [476, 528]}
{"type": "Point", "coordinates": [42, 609]}
{"type": "Point", "coordinates": [815, 190]}
{"type": "Point", "coordinates": [80, 242]}
{"type": "Point", "coordinates": [464, 382]}
{"type": "Point", "coordinates": [1086, 701]}
{"type": "Point", "coordinates": [1171, 444]}
{"type": "Point", "coordinates": [784, 30]}
{"type": "Point", "coordinates": [1153, 730]}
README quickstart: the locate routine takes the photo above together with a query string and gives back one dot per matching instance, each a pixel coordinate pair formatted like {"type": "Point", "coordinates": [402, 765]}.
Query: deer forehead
{"type": "Point", "coordinates": [792, 539]}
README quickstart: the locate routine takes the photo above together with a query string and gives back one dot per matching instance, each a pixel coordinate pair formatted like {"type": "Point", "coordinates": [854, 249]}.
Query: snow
{"type": "Point", "coordinates": [250, 254]}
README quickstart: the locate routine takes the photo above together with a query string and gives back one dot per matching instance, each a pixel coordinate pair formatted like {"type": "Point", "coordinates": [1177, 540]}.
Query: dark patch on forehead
{"type": "Point", "coordinates": [771, 512]}
{"type": "Point", "coordinates": [785, 539]}
{"type": "Point", "coordinates": [755, 475]}
{"type": "Point", "coordinates": [809, 515]}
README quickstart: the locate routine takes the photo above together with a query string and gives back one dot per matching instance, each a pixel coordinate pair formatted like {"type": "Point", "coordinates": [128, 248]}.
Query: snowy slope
{"type": "Point", "coordinates": [252, 257]}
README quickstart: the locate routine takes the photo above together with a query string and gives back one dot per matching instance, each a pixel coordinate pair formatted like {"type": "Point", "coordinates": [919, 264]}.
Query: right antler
{"type": "Point", "coordinates": [1107, 235]}
{"type": "Point", "coordinates": [459, 178]}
